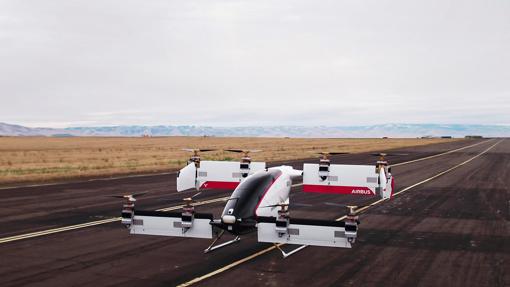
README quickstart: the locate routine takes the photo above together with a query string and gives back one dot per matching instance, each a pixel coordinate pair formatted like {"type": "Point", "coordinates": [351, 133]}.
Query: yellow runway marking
{"type": "Point", "coordinates": [264, 251]}
{"type": "Point", "coordinates": [110, 220]}
{"type": "Point", "coordinates": [57, 230]}
{"type": "Point", "coordinates": [227, 267]}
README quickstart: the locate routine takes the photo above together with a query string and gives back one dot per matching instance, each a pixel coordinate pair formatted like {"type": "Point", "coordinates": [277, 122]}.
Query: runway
{"type": "Point", "coordinates": [449, 230]}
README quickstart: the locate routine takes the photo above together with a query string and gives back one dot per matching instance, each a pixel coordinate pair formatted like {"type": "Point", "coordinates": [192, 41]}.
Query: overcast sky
{"type": "Point", "coordinates": [234, 63]}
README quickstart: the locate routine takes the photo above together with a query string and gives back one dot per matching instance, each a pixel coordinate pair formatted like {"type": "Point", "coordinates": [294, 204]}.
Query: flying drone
{"type": "Point", "coordinates": [260, 201]}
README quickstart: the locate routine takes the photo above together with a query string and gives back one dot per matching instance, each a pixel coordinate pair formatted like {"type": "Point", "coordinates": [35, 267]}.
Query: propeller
{"type": "Point", "coordinates": [334, 204]}
{"type": "Point", "coordinates": [130, 197]}
{"type": "Point", "coordinates": [190, 200]}
{"type": "Point", "coordinates": [332, 152]}
{"type": "Point", "coordinates": [326, 154]}
{"type": "Point", "coordinates": [383, 154]}
{"type": "Point", "coordinates": [286, 204]}
{"type": "Point", "coordinates": [352, 208]}
{"type": "Point", "coordinates": [302, 204]}
{"type": "Point", "coordinates": [197, 150]}
{"type": "Point", "coordinates": [276, 205]}
{"type": "Point", "coordinates": [245, 152]}
{"type": "Point", "coordinates": [196, 157]}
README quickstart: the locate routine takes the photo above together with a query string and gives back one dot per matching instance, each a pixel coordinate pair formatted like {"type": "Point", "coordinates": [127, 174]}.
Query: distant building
{"type": "Point", "coordinates": [146, 134]}
{"type": "Point", "coordinates": [62, 135]}
{"type": "Point", "coordinates": [446, 137]}
{"type": "Point", "coordinates": [473, 137]}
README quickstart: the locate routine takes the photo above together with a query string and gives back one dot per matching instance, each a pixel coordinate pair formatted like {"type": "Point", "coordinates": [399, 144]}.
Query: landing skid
{"type": "Point", "coordinates": [287, 254]}
{"type": "Point", "coordinates": [212, 247]}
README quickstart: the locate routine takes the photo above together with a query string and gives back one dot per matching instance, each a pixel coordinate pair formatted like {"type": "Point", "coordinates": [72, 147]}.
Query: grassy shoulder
{"type": "Point", "coordinates": [43, 159]}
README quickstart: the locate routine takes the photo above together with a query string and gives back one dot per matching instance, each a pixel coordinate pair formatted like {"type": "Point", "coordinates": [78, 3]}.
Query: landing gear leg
{"type": "Point", "coordinates": [287, 254]}
{"type": "Point", "coordinates": [212, 247]}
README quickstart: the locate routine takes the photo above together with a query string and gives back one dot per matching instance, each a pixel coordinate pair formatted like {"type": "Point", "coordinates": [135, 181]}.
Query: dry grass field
{"type": "Point", "coordinates": [40, 159]}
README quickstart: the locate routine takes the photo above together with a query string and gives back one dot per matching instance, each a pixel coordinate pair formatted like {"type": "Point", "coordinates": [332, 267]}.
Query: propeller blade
{"type": "Point", "coordinates": [195, 195]}
{"type": "Point", "coordinates": [388, 154]}
{"type": "Point", "coordinates": [129, 195]}
{"type": "Point", "coordinates": [276, 205]}
{"type": "Point", "coordinates": [243, 150]}
{"type": "Point", "coordinates": [344, 205]}
{"type": "Point", "coordinates": [139, 193]}
{"type": "Point", "coordinates": [198, 149]}
{"type": "Point", "coordinates": [378, 154]}
{"type": "Point", "coordinates": [335, 204]}
{"type": "Point", "coordinates": [328, 152]}
{"type": "Point", "coordinates": [301, 204]}
{"type": "Point", "coordinates": [235, 150]}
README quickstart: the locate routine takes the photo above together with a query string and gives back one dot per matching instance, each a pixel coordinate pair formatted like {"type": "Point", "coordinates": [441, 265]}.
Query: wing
{"type": "Point", "coordinates": [363, 180]}
{"type": "Point", "coordinates": [215, 175]}
{"type": "Point", "coordinates": [303, 231]}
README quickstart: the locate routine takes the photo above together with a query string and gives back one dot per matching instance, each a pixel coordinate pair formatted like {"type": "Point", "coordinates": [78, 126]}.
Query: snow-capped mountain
{"type": "Point", "coordinates": [371, 131]}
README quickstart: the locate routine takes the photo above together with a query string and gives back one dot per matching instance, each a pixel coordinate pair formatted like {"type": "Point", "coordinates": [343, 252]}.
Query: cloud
{"type": "Point", "coordinates": [254, 62]}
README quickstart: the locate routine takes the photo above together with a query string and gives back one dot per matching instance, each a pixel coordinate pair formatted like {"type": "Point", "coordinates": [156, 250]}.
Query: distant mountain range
{"type": "Point", "coordinates": [371, 131]}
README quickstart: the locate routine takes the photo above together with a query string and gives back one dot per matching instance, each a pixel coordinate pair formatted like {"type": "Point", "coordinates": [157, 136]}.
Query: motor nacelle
{"type": "Point", "coordinates": [282, 226]}
{"type": "Point", "coordinates": [195, 159]}
{"type": "Point", "coordinates": [351, 228]}
{"type": "Point", "coordinates": [324, 165]}
{"type": "Point", "coordinates": [381, 163]}
{"type": "Point", "coordinates": [128, 211]}
{"type": "Point", "coordinates": [244, 166]}
{"type": "Point", "coordinates": [282, 222]}
{"type": "Point", "coordinates": [187, 216]}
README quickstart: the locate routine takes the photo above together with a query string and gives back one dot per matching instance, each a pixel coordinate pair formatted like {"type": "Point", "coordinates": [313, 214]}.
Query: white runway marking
{"type": "Point", "coordinates": [88, 180]}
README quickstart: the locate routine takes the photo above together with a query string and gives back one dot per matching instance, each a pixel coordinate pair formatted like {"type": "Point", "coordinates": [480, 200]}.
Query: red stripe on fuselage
{"type": "Point", "coordinates": [219, 185]}
{"type": "Point", "coordinates": [356, 190]}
